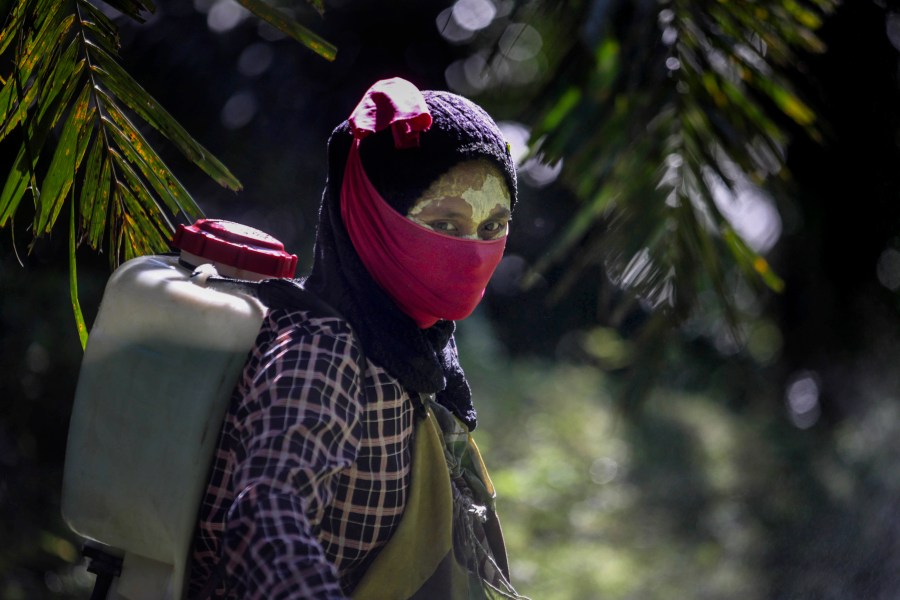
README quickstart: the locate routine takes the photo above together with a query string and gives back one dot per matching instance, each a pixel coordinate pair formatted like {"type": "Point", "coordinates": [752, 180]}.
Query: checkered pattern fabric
{"type": "Point", "coordinates": [311, 473]}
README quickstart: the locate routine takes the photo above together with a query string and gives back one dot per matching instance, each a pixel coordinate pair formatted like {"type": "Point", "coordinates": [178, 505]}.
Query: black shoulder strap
{"type": "Point", "coordinates": [286, 294]}
{"type": "Point", "coordinates": [277, 293]}
{"type": "Point", "coordinates": [289, 293]}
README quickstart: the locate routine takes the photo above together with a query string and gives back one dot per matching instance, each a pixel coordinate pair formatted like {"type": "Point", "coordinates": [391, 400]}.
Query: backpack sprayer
{"type": "Point", "coordinates": [162, 360]}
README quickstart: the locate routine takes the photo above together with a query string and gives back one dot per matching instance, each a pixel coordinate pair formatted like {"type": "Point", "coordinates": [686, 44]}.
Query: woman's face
{"type": "Point", "coordinates": [469, 201]}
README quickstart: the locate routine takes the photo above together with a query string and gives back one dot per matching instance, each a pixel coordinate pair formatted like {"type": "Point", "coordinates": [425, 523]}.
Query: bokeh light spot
{"type": "Point", "coordinates": [450, 29]}
{"type": "Point", "coordinates": [239, 110]}
{"type": "Point", "coordinates": [765, 342]}
{"type": "Point", "coordinates": [255, 59]}
{"type": "Point", "coordinates": [892, 28]}
{"type": "Point", "coordinates": [469, 76]}
{"type": "Point", "coordinates": [225, 15]}
{"type": "Point", "coordinates": [539, 173]}
{"type": "Point", "coordinates": [889, 269]}
{"type": "Point", "coordinates": [474, 15]}
{"type": "Point", "coordinates": [749, 209]}
{"type": "Point", "coordinates": [604, 470]}
{"type": "Point", "coordinates": [520, 42]}
{"type": "Point", "coordinates": [669, 36]}
{"type": "Point", "coordinates": [802, 399]}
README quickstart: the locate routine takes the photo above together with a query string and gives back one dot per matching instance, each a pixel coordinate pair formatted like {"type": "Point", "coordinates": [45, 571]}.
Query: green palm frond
{"type": "Point", "coordinates": [289, 26]}
{"type": "Point", "coordinates": [65, 77]}
{"type": "Point", "coordinates": [78, 115]}
{"type": "Point", "coordinates": [659, 107]}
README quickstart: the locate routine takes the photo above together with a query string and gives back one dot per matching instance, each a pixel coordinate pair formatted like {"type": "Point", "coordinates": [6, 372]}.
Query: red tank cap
{"type": "Point", "coordinates": [237, 246]}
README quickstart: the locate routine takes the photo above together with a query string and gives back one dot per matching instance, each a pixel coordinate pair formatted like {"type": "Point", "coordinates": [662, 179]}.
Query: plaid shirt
{"type": "Point", "coordinates": [311, 473]}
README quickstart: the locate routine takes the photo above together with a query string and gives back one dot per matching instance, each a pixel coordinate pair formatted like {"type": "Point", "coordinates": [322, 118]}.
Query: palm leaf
{"type": "Point", "coordinates": [80, 325]}
{"type": "Point", "coordinates": [133, 8]}
{"type": "Point", "coordinates": [13, 26]}
{"type": "Point", "coordinates": [66, 161]}
{"type": "Point", "coordinates": [59, 91]}
{"type": "Point", "coordinates": [91, 185]}
{"type": "Point", "coordinates": [291, 27]}
{"type": "Point", "coordinates": [16, 184]}
{"type": "Point", "coordinates": [65, 79]}
{"type": "Point", "coordinates": [16, 96]}
{"type": "Point", "coordinates": [723, 104]}
{"type": "Point", "coordinates": [108, 75]}
{"type": "Point", "coordinates": [53, 41]}
{"type": "Point", "coordinates": [139, 153]}
{"type": "Point", "coordinates": [103, 30]}
{"type": "Point", "coordinates": [147, 214]}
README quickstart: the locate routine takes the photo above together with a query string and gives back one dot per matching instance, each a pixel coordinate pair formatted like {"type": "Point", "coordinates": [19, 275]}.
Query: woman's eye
{"type": "Point", "coordinates": [492, 228]}
{"type": "Point", "coordinates": [445, 226]}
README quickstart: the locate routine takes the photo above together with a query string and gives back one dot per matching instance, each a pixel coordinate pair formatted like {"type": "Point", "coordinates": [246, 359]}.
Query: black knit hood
{"type": "Point", "coordinates": [423, 360]}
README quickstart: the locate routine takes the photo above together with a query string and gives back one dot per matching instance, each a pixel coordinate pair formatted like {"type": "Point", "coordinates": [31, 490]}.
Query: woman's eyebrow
{"type": "Point", "coordinates": [443, 214]}
{"type": "Point", "coordinates": [500, 211]}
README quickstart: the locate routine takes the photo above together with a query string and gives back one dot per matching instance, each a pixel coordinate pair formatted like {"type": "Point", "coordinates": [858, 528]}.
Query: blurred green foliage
{"type": "Point", "coordinates": [692, 499]}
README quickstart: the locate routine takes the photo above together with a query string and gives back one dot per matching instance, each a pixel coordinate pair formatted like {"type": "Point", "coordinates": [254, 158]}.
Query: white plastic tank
{"type": "Point", "coordinates": [162, 359]}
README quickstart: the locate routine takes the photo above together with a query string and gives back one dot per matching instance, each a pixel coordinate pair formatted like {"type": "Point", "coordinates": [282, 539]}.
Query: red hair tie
{"type": "Point", "coordinates": [396, 103]}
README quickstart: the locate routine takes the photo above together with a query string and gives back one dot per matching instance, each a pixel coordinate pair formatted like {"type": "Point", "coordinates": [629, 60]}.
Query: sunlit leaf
{"type": "Point", "coordinates": [66, 73]}
{"type": "Point", "coordinates": [132, 8]}
{"type": "Point", "coordinates": [291, 27]}
{"type": "Point", "coordinates": [130, 245]}
{"type": "Point", "coordinates": [104, 30]}
{"type": "Point", "coordinates": [73, 279]}
{"type": "Point", "coordinates": [13, 26]}
{"type": "Point", "coordinates": [54, 95]}
{"type": "Point", "coordinates": [100, 211]}
{"type": "Point", "coordinates": [90, 182]}
{"type": "Point", "coordinates": [115, 218]}
{"type": "Point", "coordinates": [790, 104]}
{"type": "Point", "coordinates": [17, 182]}
{"type": "Point", "coordinates": [751, 261]}
{"type": "Point", "coordinates": [139, 152]}
{"type": "Point", "coordinates": [123, 172]}
{"type": "Point", "coordinates": [136, 226]}
{"type": "Point", "coordinates": [66, 160]}
{"type": "Point", "coordinates": [18, 93]}
{"type": "Point", "coordinates": [720, 110]}
{"type": "Point", "coordinates": [19, 178]}
{"type": "Point", "coordinates": [151, 221]}
{"type": "Point", "coordinates": [563, 107]}
{"type": "Point", "coordinates": [126, 89]}
{"type": "Point", "coordinates": [53, 24]}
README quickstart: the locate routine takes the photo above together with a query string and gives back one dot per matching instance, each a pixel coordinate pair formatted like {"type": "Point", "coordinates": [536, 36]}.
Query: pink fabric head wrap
{"type": "Point", "coordinates": [431, 276]}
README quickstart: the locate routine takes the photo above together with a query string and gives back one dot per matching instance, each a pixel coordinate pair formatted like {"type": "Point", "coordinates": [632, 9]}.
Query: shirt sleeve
{"type": "Point", "coordinates": [297, 425]}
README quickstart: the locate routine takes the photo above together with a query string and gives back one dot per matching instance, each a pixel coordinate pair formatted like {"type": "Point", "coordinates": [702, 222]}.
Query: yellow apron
{"type": "Point", "coordinates": [446, 546]}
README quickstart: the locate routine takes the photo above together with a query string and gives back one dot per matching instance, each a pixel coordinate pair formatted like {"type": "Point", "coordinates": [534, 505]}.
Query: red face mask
{"type": "Point", "coordinates": [429, 275]}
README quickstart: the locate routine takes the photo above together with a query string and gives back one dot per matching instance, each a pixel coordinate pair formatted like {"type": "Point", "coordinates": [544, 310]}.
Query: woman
{"type": "Point", "coordinates": [344, 467]}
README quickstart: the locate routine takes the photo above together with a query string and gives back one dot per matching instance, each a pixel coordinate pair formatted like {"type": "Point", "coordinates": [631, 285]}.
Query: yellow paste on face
{"type": "Point", "coordinates": [470, 201]}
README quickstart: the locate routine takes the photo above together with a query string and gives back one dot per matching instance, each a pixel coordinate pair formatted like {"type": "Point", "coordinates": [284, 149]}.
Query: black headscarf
{"type": "Point", "coordinates": [422, 360]}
